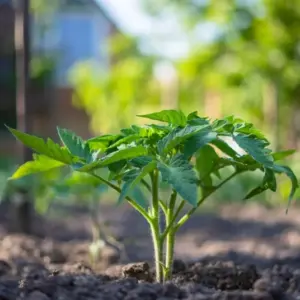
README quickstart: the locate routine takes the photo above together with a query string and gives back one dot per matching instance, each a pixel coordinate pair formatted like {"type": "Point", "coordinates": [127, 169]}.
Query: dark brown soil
{"type": "Point", "coordinates": [239, 253]}
{"type": "Point", "coordinates": [201, 280]}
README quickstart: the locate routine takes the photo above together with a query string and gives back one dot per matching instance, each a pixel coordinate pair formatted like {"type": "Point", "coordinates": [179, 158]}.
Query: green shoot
{"type": "Point", "coordinates": [186, 153]}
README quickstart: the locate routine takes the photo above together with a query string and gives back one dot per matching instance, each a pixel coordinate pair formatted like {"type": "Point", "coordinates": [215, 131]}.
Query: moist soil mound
{"type": "Point", "coordinates": [197, 280]}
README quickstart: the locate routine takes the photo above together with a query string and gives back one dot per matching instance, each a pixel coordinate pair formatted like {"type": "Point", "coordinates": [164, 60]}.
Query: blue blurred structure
{"type": "Point", "coordinates": [62, 35]}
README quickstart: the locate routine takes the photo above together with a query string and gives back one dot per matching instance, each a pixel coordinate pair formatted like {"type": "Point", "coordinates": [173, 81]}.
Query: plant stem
{"type": "Point", "coordinates": [155, 198]}
{"type": "Point", "coordinates": [158, 251]}
{"type": "Point", "coordinates": [146, 185]}
{"type": "Point", "coordinates": [136, 206]}
{"type": "Point", "coordinates": [155, 227]}
{"type": "Point", "coordinates": [170, 237]}
{"type": "Point", "coordinates": [169, 226]}
{"type": "Point", "coordinates": [190, 213]}
{"type": "Point", "coordinates": [163, 206]}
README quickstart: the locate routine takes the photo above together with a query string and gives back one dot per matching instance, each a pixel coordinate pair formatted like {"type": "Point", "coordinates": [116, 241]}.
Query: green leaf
{"type": "Point", "coordinates": [242, 163]}
{"type": "Point", "coordinates": [41, 163]}
{"type": "Point", "coordinates": [294, 181]}
{"type": "Point", "coordinates": [247, 128]}
{"type": "Point", "coordinates": [127, 131]}
{"type": "Point", "coordinates": [177, 137]}
{"type": "Point", "coordinates": [48, 148]}
{"type": "Point", "coordinates": [231, 124]}
{"type": "Point", "coordinates": [129, 178]}
{"type": "Point", "coordinates": [255, 147]}
{"type": "Point", "coordinates": [224, 147]}
{"type": "Point", "coordinates": [133, 177]}
{"type": "Point", "coordinates": [256, 191]}
{"type": "Point", "coordinates": [268, 183]}
{"type": "Point", "coordinates": [141, 161]}
{"type": "Point", "coordinates": [74, 144]}
{"type": "Point", "coordinates": [116, 156]}
{"type": "Point", "coordinates": [270, 180]}
{"type": "Point", "coordinates": [219, 125]}
{"type": "Point", "coordinates": [282, 154]}
{"type": "Point", "coordinates": [192, 115]}
{"type": "Point", "coordinates": [104, 138]}
{"type": "Point", "coordinates": [171, 116]}
{"type": "Point", "coordinates": [160, 128]}
{"type": "Point", "coordinates": [197, 141]}
{"type": "Point", "coordinates": [181, 176]}
{"type": "Point", "coordinates": [145, 171]}
{"type": "Point", "coordinates": [124, 140]}
{"type": "Point", "coordinates": [194, 119]}
{"type": "Point", "coordinates": [100, 143]}
{"type": "Point", "coordinates": [206, 160]}
{"type": "Point", "coordinates": [117, 166]}
{"type": "Point", "coordinates": [138, 196]}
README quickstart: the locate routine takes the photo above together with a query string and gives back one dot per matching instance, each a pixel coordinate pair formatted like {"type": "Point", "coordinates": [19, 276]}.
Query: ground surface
{"type": "Point", "coordinates": [237, 253]}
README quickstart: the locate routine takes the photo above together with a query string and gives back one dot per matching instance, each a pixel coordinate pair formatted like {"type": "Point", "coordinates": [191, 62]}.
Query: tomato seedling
{"type": "Point", "coordinates": [187, 153]}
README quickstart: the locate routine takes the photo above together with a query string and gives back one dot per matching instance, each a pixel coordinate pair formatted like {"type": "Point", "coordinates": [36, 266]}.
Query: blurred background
{"type": "Point", "coordinates": [92, 65]}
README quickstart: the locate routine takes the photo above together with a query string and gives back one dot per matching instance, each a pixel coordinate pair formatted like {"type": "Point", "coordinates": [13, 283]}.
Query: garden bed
{"type": "Point", "coordinates": [201, 280]}
{"type": "Point", "coordinates": [240, 253]}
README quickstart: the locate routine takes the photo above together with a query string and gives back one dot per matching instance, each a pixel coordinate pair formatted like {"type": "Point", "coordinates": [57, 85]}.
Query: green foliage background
{"type": "Point", "coordinates": [251, 64]}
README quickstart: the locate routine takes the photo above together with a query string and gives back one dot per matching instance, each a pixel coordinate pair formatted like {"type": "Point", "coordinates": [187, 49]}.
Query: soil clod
{"type": "Point", "coordinates": [140, 271]}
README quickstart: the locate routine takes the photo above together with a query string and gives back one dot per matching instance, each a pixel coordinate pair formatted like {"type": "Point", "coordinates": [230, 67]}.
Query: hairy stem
{"type": "Point", "coordinates": [170, 237]}
{"type": "Point", "coordinates": [158, 251]}
{"type": "Point", "coordinates": [190, 213]}
{"type": "Point", "coordinates": [136, 206]}
{"type": "Point", "coordinates": [155, 227]}
{"type": "Point", "coordinates": [155, 197]}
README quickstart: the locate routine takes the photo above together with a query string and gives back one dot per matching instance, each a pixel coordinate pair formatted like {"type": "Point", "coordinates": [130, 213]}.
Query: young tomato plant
{"type": "Point", "coordinates": [187, 153]}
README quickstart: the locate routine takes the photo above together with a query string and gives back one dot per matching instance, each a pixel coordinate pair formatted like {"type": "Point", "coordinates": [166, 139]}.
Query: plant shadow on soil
{"type": "Point", "coordinates": [239, 253]}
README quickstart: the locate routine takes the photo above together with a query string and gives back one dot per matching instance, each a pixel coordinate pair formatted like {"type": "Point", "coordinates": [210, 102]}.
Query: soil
{"type": "Point", "coordinates": [248, 252]}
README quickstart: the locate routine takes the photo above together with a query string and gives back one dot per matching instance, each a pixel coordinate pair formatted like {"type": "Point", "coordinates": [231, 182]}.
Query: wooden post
{"type": "Point", "coordinates": [22, 48]}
